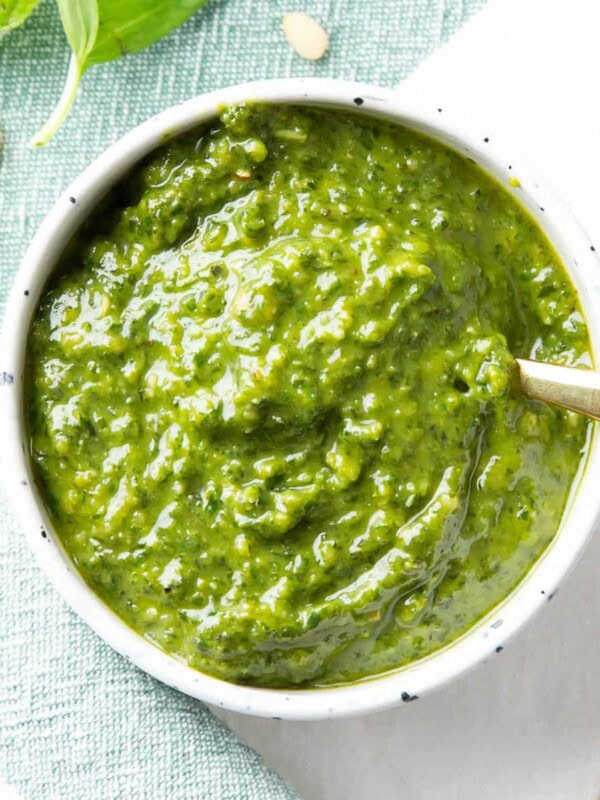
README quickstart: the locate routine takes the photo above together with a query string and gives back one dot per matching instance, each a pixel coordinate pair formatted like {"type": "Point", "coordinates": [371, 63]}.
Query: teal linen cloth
{"type": "Point", "coordinates": [78, 722]}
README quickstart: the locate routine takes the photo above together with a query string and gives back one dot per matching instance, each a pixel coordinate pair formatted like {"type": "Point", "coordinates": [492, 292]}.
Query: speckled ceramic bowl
{"type": "Point", "coordinates": [400, 686]}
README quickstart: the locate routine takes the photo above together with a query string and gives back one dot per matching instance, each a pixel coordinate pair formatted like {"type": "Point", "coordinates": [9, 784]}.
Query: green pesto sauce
{"type": "Point", "coordinates": [272, 400]}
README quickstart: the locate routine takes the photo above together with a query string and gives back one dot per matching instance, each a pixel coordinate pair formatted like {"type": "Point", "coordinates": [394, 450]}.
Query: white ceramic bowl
{"type": "Point", "coordinates": [79, 199]}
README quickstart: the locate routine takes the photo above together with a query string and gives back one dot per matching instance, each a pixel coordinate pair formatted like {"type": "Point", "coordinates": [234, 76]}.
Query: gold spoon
{"type": "Point", "coordinates": [575, 389]}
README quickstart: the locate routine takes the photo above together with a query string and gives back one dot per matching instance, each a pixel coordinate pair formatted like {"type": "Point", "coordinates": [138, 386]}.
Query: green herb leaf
{"type": "Point", "coordinates": [14, 12]}
{"type": "Point", "coordinates": [103, 30]}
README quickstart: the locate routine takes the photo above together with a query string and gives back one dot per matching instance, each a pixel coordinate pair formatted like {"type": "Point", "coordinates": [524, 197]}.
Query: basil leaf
{"type": "Point", "coordinates": [80, 21]}
{"type": "Point", "coordinates": [14, 12]}
{"type": "Point", "coordinates": [104, 30]}
{"type": "Point", "coordinates": [126, 27]}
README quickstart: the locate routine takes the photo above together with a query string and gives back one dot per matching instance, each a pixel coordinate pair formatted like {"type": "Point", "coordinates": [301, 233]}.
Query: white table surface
{"type": "Point", "coordinates": [526, 725]}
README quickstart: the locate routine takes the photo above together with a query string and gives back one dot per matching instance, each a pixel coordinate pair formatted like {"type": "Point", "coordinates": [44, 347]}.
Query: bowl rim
{"type": "Point", "coordinates": [396, 687]}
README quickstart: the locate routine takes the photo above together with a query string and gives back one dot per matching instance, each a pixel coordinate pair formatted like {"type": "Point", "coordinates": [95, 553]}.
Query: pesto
{"type": "Point", "coordinates": [272, 396]}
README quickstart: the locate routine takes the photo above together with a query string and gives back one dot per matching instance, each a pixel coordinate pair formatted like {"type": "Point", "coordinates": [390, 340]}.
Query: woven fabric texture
{"type": "Point", "coordinates": [76, 720]}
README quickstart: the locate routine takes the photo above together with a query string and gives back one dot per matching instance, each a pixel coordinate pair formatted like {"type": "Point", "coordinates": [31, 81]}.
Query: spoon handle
{"type": "Point", "coordinates": [575, 389]}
